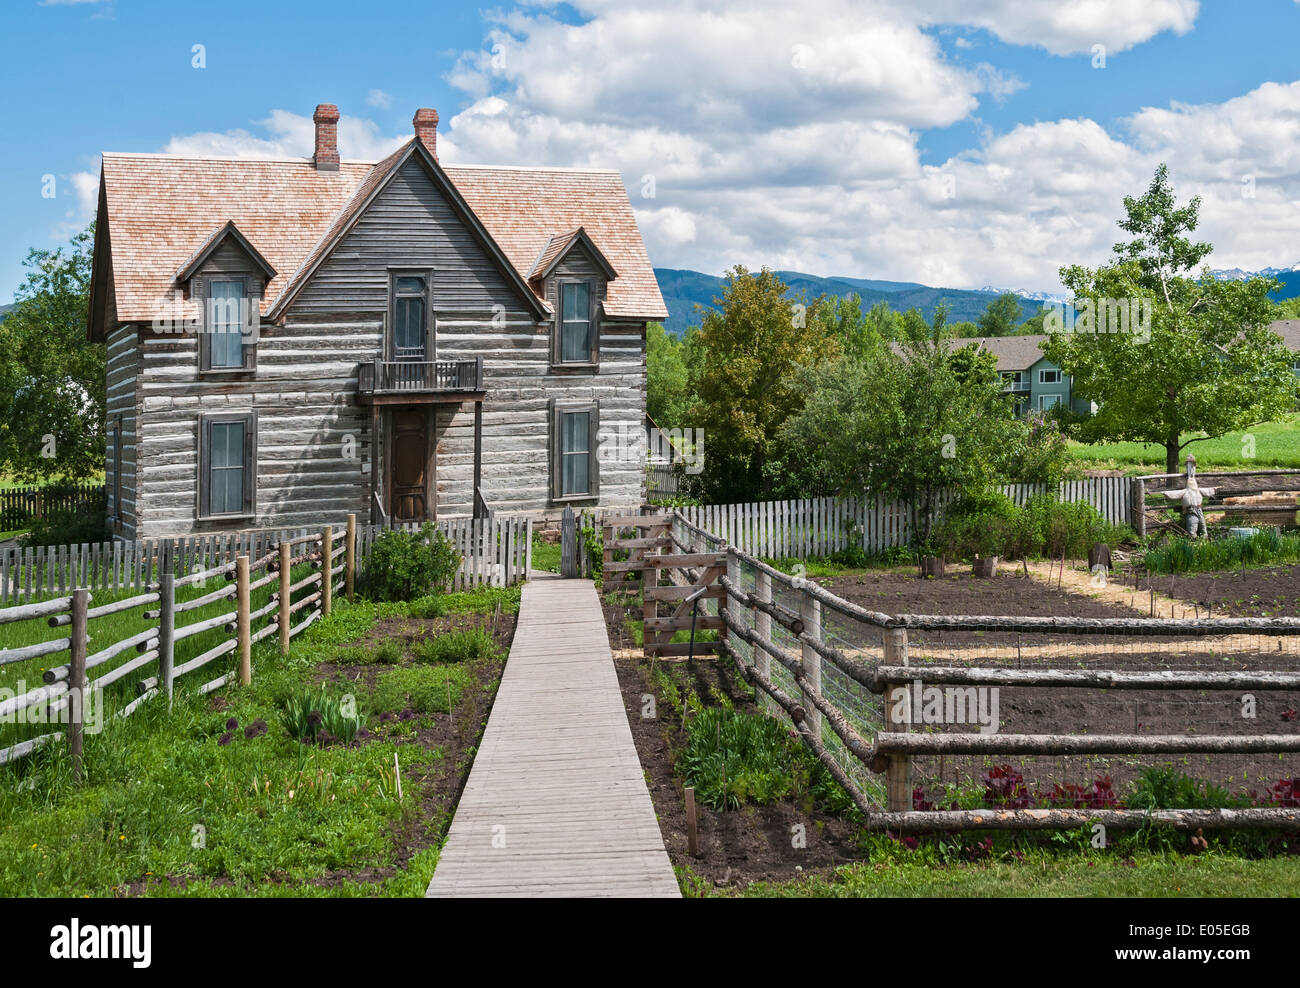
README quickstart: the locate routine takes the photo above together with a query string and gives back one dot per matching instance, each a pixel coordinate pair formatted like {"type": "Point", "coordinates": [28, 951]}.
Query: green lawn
{"type": "Point", "coordinates": [1276, 445]}
{"type": "Point", "coordinates": [183, 794]}
{"type": "Point", "coordinates": [1046, 875]}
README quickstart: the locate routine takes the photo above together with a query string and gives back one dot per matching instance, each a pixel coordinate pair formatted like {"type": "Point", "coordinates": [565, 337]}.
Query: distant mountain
{"type": "Point", "coordinates": [5, 310]}
{"type": "Point", "coordinates": [683, 290]}
{"type": "Point", "coordinates": [1290, 278]}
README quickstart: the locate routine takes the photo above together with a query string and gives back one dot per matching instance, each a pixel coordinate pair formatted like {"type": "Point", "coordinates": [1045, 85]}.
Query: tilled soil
{"type": "Point", "coordinates": [1266, 591]}
{"type": "Point", "coordinates": [1091, 711]}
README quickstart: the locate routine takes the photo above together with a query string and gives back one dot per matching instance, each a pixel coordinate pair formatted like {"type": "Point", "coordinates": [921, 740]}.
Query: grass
{"type": "Point", "coordinates": [1275, 444]}
{"type": "Point", "coordinates": [166, 801]}
{"type": "Point", "coordinates": [546, 556]}
{"type": "Point", "coordinates": [1183, 555]}
{"type": "Point", "coordinates": [1042, 874]}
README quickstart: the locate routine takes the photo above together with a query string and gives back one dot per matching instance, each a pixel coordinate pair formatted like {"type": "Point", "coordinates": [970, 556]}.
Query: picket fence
{"type": "Point", "coordinates": [819, 526]}
{"type": "Point", "coordinates": [19, 505]}
{"type": "Point", "coordinates": [496, 552]}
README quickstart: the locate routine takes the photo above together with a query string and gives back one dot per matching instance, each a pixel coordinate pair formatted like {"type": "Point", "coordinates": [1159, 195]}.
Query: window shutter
{"type": "Point", "coordinates": [205, 466]}
{"type": "Point", "coordinates": [593, 315]}
{"type": "Point", "coordinates": [556, 449]}
{"type": "Point", "coordinates": [593, 427]}
{"type": "Point", "coordinates": [250, 464]}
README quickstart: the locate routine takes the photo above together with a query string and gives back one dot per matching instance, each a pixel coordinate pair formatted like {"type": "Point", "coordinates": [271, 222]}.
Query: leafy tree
{"type": "Point", "coordinates": [1209, 364]}
{"type": "Point", "coordinates": [668, 389]}
{"type": "Point", "coordinates": [882, 322]}
{"type": "Point", "coordinates": [841, 318]}
{"type": "Point", "coordinates": [752, 347]}
{"type": "Point", "coordinates": [51, 378]}
{"type": "Point", "coordinates": [1002, 316]}
{"type": "Point", "coordinates": [906, 422]}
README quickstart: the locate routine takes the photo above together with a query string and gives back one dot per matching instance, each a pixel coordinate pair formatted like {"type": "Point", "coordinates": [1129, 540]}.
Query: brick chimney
{"type": "Point", "coordinates": [327, 137]}
{"type": "Point", "coordinates": [426, 129]}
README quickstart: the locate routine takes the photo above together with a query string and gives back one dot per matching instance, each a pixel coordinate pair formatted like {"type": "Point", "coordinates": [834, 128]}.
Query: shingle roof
{"type": "Point", "coordinates": [162, 209]}
{"type": "Point", "coordinates": [1013, 352]}
{"type": "Point", "coordinates": [1289, 330]}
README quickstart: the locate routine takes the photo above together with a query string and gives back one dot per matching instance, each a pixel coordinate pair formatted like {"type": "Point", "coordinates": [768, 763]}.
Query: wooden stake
{"type": "Point", "coordinates": [327, 570]}
{"type": "Point", "coordinates": [77, 679]}
{"type": "Point", "coordinates": [284, 596]}
{"type": "Point", "coordinates": [243, 622]}
{"type": "Point", "coordinates": [350, 557]}
{"type": "Point", "coordinates": [692, 834]}
{"type": "Point", "coordinates": [898, 773]}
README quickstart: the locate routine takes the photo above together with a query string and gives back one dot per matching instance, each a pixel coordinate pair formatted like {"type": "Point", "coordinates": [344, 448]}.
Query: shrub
{"type": "Point", "coordinates": [1165, 788]}
{"type": "Point", "coordinates": [424, 689]}
{"type": "Point", "coordinates": [456, 646]}
{"type": "Point", "coordinates": [404, 565]}
{"type": "Point", "coordinates": [732, 758]}
{"type": "Point", "coordinates": [316, 716]}
{"type": "Point", "coordinates": [1005, 787]}
{"type": "Point", "coordinates": [68, 527]}
{"type": "Point", "coordinates": [387, 652]}
{"type": "Point", "coordinates": [980, 524]}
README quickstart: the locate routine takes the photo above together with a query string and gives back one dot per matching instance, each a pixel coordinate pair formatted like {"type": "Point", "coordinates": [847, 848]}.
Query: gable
{"type": "Point", "coordinates": [413, 224]}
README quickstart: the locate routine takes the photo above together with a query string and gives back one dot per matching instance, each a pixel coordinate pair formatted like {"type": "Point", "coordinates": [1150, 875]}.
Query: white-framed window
{"type": "Point", "coordinates": [1048, 401]}
{"type": "Point", "coordinates": [1049, 377]}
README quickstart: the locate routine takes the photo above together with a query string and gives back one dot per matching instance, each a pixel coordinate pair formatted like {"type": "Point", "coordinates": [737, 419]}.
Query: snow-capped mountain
{"type": "Point", "coordinates": [1237, 274]}
{"type": "Point", "coordinates": [1025, 294]}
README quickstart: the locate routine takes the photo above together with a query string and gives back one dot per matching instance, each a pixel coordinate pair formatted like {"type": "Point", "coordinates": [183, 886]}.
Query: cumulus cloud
{"type": "Point", "coordinates": [380, 99]}
{"type": "Point", "coordinates": [288, 135]}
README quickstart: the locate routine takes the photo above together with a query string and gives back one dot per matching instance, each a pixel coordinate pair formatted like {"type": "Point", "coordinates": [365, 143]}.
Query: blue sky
{"type": "Point", "coordinates": [951, 143]}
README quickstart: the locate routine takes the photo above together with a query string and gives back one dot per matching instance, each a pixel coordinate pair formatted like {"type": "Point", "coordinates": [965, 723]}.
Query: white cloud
{"type": "Point", "coordinates": [380, 99]}
{"type": "Point", "coordinates": [1066, 27]}
{"type": "Point", "coordinates": [288, 135]}
{"type": "Point", "coordinates": [86, 187]}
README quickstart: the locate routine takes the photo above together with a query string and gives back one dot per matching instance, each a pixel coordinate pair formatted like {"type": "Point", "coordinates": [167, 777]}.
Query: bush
{"type": "Point", "coordinates": [406, 565]}
{"type": "Point", "coordinates": [456, 646]}
{"type": "Point", "coordinates": [990, 524]}
{"type": "Point", "coordinates": [68, 527]}
{"type": "Point", "coordinates": [316, 716]}
{"type": "Point", "coordinates": [980, 524]}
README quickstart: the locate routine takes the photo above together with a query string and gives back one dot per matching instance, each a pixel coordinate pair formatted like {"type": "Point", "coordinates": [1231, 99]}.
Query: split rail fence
{"type": "Point", "coordinates": [493, 551]}
{"type": "Point", "coordinates": [831, 668]}
{"type": "Point", "coordinates": [267, 598]}
{"type": "Point", "coordinates": [820, 526]}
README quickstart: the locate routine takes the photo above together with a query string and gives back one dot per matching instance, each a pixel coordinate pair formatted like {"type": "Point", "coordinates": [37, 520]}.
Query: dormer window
{"type": "Point", "coordinates": [226, 276]}
{"type": "Point", "coordinates": [576, 321]}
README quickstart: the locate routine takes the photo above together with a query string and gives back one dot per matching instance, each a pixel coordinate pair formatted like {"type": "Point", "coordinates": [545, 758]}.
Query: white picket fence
{"type": "Point", "coordinates": [495, 552]}
{"type": "Point", "coordinates": [819, 526]}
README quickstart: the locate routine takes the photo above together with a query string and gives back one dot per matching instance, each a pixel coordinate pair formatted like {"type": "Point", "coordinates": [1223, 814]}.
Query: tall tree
{"type": "Point", "coordinates": [51, 378]}
{"type": "Point", "coordinates": [1002, 315]}
{"type": "Point", "coordinates": [667, 378]}
{"type": "Point", "coordinates": [1194, 359]}
{"type": "Point", "coordinates": [907, 423]}
{"type": "Point", "coordinates": [752, 347]}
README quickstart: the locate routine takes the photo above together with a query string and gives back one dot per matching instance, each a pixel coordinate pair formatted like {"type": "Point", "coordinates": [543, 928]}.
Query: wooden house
{"type": "Point", "coordinates": [289, 340]}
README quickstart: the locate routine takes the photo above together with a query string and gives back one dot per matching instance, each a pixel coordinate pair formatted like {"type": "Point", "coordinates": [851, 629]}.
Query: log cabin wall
{"type": "Point", "coordinates": [121, 410]}
{"type": "Point", "coordinates": [304, 388]}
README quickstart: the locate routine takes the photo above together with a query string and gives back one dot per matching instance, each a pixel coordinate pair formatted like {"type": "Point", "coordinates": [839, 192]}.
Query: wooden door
{"type": "Point", "coordinates": [409, 466]}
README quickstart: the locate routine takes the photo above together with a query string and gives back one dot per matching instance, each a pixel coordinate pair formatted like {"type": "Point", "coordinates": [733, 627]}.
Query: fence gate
{"type": "Point", "coordinates": [692, 579]}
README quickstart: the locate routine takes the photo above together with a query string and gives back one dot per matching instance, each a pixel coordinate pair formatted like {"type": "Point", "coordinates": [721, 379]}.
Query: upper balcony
{"type": "Point", "coordinates": [404, 382]}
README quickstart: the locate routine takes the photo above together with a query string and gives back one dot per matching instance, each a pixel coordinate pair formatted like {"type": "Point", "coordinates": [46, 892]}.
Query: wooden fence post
{"type": "Point", "coordinates": [898, 776]}
{"type": "Point", "coordinates": [1138, 508]}
{"type": "Point", "coordinates": [568, 544]}
{"type": "Point", "coordinates": [77, 679]}
{"type": "Point", "coordinates": [167, 632]}
{"type": "Point", "coordinates": [763, 628]}
{"type": "Point", "coordinates": [243, 621]}
{"type": "Point", "coordinates": [327, 571]}
{"type": "Point", "coordinates": [284, 596]}
{"type": "Point", "coordinates": [810, 612]}
{"type": "Point", "coordinates": [350, 558]}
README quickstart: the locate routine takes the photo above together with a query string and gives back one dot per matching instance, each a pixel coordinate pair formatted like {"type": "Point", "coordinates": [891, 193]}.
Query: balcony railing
{"type": "Point", "coordinates": [387, 377]}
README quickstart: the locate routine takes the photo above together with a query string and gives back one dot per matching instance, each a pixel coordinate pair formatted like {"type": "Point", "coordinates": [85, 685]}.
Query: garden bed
{"type": "Point", "coordinates": [738, 846]}
{"type": "Point", "coordinates": [1265, 591]}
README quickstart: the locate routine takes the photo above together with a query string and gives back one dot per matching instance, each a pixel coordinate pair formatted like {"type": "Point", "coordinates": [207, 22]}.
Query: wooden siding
{"type": "Point", "coordinates": [305, 386]}
{"type": "Point", "coordinates": [122, 360]}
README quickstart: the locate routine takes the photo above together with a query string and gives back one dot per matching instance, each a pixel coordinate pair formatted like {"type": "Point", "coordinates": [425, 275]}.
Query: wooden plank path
{"type": "Point", "coordinates": [556, 803]}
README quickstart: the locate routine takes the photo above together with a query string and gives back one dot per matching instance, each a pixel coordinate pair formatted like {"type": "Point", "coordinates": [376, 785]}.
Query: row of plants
{"type": "Point", "coordinates": [989, 523]}
{"type": "Point", "coordinates": [1183, 555]}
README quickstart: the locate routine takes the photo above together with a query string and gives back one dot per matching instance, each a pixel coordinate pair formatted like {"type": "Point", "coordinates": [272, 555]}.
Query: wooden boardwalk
{"type": "Point", "coordinates": [556, 803]}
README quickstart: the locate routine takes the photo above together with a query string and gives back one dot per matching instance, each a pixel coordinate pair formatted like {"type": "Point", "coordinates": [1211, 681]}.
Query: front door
{"type": "Point", "coordinates": [409, 471]}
